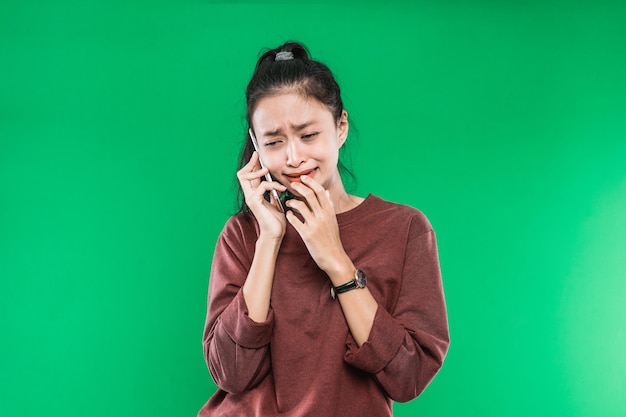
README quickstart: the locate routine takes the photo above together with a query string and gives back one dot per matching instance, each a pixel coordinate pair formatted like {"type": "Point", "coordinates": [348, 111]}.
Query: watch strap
{"type": "Point", "coordinates": [348, 286]}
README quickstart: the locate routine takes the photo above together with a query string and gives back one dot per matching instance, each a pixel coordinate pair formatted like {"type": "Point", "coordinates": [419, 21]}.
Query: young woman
{"type": "Point", "coordinates": [335, 307]}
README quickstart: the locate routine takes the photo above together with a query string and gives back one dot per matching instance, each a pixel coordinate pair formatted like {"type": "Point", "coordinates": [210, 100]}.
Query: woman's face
{"type": "Point", "coordinates": [299, 136]}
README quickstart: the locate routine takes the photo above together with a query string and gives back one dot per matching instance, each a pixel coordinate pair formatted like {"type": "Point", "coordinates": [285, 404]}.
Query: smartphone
{"type": "Point", "coordinates": [268, 177]}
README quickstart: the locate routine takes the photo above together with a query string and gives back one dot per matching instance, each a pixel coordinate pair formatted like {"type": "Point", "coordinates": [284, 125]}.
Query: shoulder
{"type": "Point", "coordinates": [240, 227]}
{"type": "Point", "coordinates": [400, 214]}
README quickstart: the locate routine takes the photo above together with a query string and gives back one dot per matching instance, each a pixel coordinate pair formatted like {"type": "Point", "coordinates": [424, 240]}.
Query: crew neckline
{"type": "Point", "coordinates": [355, 212]}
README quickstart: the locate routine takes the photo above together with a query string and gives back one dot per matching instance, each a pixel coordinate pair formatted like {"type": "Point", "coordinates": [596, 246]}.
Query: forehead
{"type": "Point", "coordinates": [288, 110]}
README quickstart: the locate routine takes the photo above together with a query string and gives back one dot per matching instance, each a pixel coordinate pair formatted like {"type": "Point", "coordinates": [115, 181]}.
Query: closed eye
{"type": "Point", "coordinates": [310, 135]}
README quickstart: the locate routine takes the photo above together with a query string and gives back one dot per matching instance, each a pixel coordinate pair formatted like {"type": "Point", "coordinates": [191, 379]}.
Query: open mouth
{"type": "Point", "coordinates": [295, 177]}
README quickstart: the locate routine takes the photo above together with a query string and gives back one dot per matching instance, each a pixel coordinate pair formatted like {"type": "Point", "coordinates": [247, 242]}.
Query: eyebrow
{"type": "Point", "coordinates": [299, 127]}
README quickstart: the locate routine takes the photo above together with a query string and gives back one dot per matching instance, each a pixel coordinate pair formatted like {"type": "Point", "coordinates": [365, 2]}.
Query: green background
{"type": "Point", "coordinates": [120, 123]}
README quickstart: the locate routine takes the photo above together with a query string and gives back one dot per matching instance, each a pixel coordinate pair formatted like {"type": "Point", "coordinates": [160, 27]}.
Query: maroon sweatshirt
{"type": "Point", "coordinates": [303, 361]}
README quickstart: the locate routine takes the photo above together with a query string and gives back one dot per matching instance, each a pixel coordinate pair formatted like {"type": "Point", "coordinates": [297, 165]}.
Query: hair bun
{"type": "Point", "coordinates": [283, 56]}
{"type": "Point", "coordinates": [297, 50]}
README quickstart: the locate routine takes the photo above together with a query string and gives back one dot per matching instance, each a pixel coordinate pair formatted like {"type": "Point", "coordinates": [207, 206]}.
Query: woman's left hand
{"type": "Point", "coordinates": [319, 229]}
{"type": "Point", "coordinates": [320, 233]}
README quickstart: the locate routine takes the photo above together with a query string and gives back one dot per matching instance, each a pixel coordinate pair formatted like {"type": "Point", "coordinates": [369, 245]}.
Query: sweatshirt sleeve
{"type": "Point", "coordinates": [406, 347]}
{"type": "Point", "coordinates": [236, 348]}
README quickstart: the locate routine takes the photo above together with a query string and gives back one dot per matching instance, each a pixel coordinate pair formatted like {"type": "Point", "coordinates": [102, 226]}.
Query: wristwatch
{"type": "Point", "coordinates": [359, 281]}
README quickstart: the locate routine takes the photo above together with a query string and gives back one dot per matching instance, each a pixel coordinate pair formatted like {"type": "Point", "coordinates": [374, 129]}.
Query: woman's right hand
{"type": "Point", "coordinates": [272, 222]}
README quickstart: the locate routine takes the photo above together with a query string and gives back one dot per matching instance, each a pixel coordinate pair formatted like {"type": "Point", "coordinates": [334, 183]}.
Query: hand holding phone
{"type": "Point", "coordinates": [268, 177]}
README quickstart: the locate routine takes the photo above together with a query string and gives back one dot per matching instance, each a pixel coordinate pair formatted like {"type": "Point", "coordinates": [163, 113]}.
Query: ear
{"type": "Point", "coordinates": [342, 128]}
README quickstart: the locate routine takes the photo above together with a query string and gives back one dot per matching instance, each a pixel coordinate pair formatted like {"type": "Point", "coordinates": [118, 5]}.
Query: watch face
{"type": "Point", "coordinates": [361, 279]}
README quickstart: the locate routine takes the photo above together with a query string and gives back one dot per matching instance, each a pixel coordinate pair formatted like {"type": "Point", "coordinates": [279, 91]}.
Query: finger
{"type": "Point", "coordinates": [295, 222]}
{"type": "Point", "coordinates": [259, 193]}
{"type": "Point", "coordinates": [308, 194]}
{"type": "Point", "coordinates": [256, 197]}
{"type": "Point", "coordinates": [272, 185]}
{"type": "Point", "coordinates": [329, 201]}
{"type": "Point", "coordinates": [252, 175]}
{"type": "Point", "coordinates": [301, 207]}
{"type": "Point", "coordinates": [249, 183]}
{"type": "Point", "coordinates": [321, 193]}
{"type": "Point", "coordinates": [253, 164]}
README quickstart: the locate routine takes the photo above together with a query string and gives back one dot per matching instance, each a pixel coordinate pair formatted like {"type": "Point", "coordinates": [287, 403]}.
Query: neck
{"type": "Point", "coordinates": [342, 201]}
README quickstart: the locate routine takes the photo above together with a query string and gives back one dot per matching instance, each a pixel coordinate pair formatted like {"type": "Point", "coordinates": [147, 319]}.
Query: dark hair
{"type": "Point", "coordinates": [300, 74]}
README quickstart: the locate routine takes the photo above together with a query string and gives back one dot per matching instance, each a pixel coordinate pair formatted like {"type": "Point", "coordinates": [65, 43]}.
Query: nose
{"type": "Point", "coordinates": [294, 153]}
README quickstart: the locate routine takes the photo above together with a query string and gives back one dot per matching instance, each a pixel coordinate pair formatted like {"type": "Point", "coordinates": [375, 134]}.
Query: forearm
{"type": "Point", "coordinates": [257, 289]}
{"type": "Point", "coordinates": [359, 306]}
{"type": "Point", "coordinates": [359, 309]}
{"type": "Point", "coordinates": [236, 346]}
{"type": "Point", "coordinates": [409, 338]}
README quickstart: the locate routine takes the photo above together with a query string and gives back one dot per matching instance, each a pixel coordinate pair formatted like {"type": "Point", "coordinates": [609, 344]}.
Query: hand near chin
{"type": "Point", "coordinates": [271, 220]}
{"type": "Point", "coordinates": [318, 227]}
